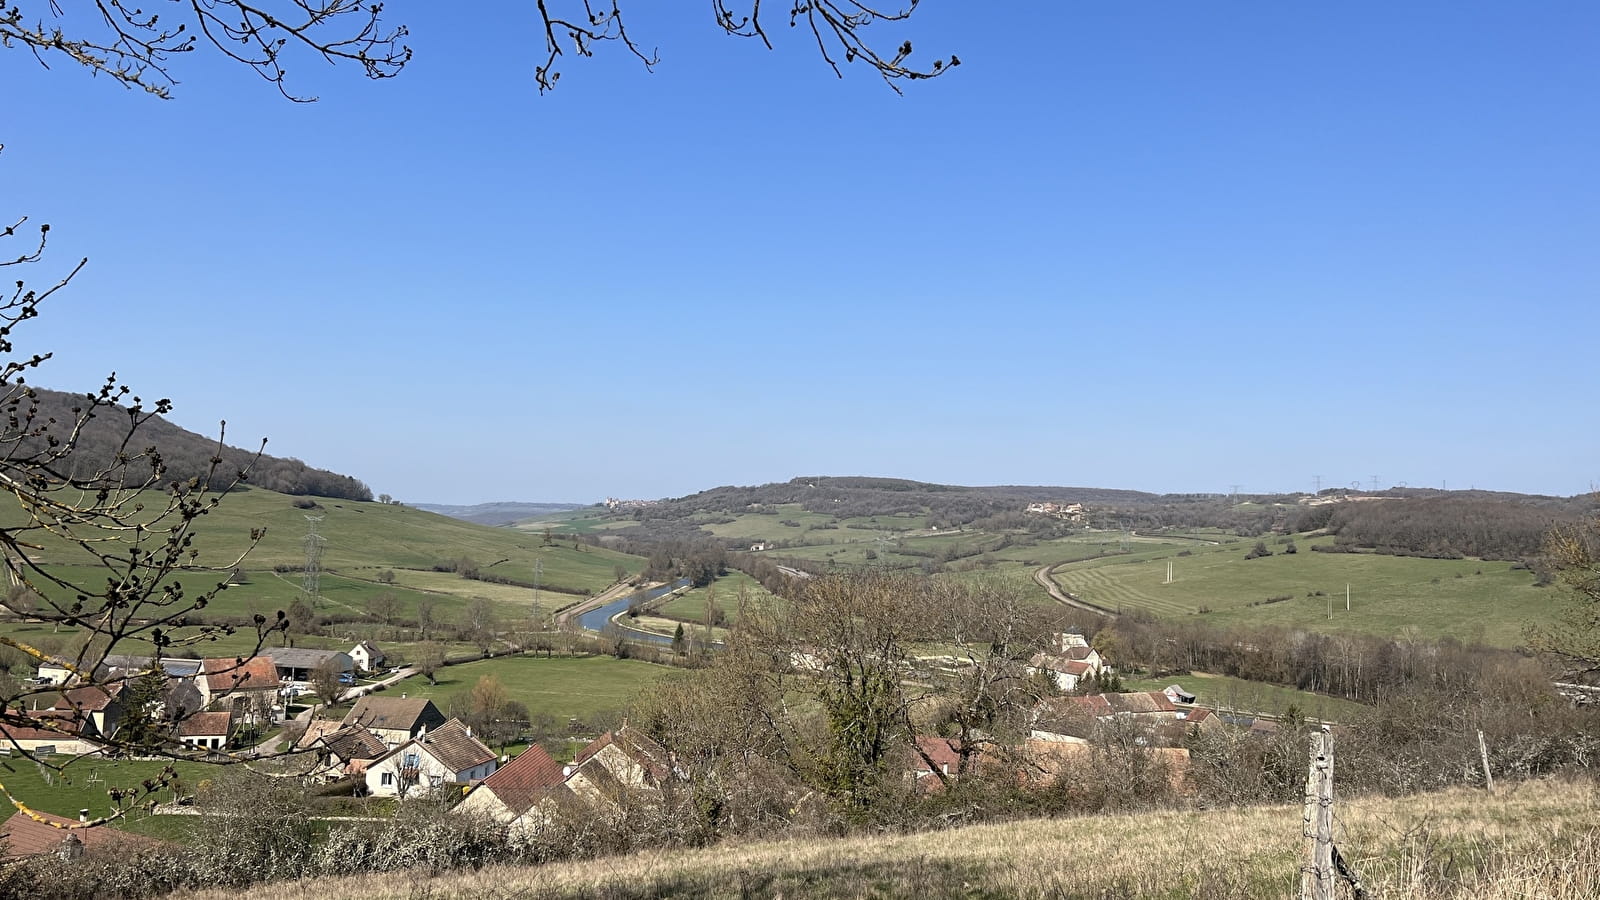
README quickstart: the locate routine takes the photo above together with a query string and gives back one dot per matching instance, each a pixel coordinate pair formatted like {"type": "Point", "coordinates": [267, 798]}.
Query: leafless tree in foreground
{"type": "Point", "coordinates": [839, 30]}
{"type": "Point", "coordinates": [124, 519]}
{"type": "Point", "coordinates": [1574, 638]}
{"type": "Point", "coordinates": [136, 46]}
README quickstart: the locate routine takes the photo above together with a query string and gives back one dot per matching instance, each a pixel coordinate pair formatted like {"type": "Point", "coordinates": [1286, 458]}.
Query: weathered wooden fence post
{"type": "Point", "coordinates": [1317, 870]}
{"type": "Point", "coordinates": [1483, 755]}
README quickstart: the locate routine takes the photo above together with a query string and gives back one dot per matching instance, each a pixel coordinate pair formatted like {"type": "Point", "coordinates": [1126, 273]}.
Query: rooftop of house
{"type": "Point", "coordinates": [254, 674]}
{"type": "Point", "coordinates": [89, 698]}
{"type": "Point", "coordinates": [173, 666]}
{"type": "Point", "coordinates": [942, 751]}
{"type": "Point", "coordinates": [37, 833]}
{"type": "Point", "coordinates": [42, 725]}
{"type": "Point", "coordinates": [522, 782]}
{"type": "Point", "coordinates": [394, 713]}
{"type": "Point", "coordinates": [1056, 662]}
{"type": "Point", "coordinates": [352, 742]}
{"type": "Point", "coordinates": [206, 724]}
{"type": "Point", "coordinates": [639, 747]}
{"type": "Point", "coordinates": [304, 657]}
{"type": "Point", "coordinates": [453, 745]}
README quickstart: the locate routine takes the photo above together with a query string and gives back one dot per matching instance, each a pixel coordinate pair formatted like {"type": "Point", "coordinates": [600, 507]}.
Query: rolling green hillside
{"type": "Point", "coordinates": [363, 544]}
{"type": "Point", "coordinates": [1471, 600]}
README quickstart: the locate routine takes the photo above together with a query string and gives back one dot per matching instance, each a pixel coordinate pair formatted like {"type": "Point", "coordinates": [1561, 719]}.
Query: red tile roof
{"type": "Point", "coordinates": [209, 724]}
{"type": "Point", "coordinates": [942, 751]}
{"type": "Point", "coordinates": [25, 836]}
{"type": "Point", "coordinates": [91, 698]}
{"type": "Point", "coordinates": [521, 782]}
{"type": "Point", "coordinates": [43, 725]}
{"type": "Point", "coordinates": [254, 674]}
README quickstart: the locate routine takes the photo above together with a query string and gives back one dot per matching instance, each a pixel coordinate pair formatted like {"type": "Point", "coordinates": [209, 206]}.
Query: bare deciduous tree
{"type": "Point", "coordinates": [1574, 637]}
{"type": "Point", "coordinates": [127, 519]}
{"type": "Point", "coordinates": [137, 48]}
{"type": "Point", "coordinates": [328, 683]}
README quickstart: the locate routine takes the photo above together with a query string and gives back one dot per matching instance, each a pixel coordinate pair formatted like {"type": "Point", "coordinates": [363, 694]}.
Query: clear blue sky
{"type": "Point", "coordinates": [1161, 246]}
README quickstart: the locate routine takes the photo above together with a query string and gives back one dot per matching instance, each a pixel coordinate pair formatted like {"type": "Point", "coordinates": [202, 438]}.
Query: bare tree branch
{"type": "Point", "coordinates": [136, 48]}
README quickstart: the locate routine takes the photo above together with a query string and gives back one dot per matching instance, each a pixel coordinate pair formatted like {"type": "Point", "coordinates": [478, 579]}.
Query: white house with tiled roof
{"type": "Point", "coordinates": [367, 656]}
{"type": "Point", "coordinates": [445, 755]}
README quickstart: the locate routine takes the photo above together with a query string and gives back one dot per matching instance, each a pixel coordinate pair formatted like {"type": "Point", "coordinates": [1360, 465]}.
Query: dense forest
{"type": "Point", "coordinates": [185, 454]}
{"type": "Point", "coordinates": [1449, 526]}
{"type": "Point", "coordinates": [847, 497]}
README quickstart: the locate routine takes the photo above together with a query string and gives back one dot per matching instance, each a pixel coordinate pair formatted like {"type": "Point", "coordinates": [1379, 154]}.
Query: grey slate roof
{"type": "Point", "coordinates": [305, 658]}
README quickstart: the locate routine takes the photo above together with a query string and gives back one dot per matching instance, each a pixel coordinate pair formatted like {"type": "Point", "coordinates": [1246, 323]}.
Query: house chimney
{"type": "Point", "coordinates": [83, 815]}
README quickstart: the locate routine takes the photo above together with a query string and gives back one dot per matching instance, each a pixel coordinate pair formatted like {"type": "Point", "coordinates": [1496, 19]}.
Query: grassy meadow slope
{"type": "Point", "coordinates": [362, 542]}
{"type": "Point", "coordinates": [1471, 600]}
{"type": "Point", "coordinates": [563, 688]}
{"type": "Point", "coordinates": [1535, 839]}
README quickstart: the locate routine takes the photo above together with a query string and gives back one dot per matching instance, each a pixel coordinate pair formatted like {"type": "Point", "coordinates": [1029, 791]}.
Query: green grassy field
{"type": "Point", "coordinates": [84, 783]}
{"type": "Point", "coordinates": [562, 687]}
{"type": "Point", "coordinates": [1470, 600]}
{"type": "Point", "coordinates": [363, 542]}
{"type": "Point", "coordinates": [360, 539]}
{"type": "Point", "coordinates": [690, 606]}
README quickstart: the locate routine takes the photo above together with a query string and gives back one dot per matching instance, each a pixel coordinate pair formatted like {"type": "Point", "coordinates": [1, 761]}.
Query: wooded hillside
{"type": "Point", "coordinates": [185, 453]}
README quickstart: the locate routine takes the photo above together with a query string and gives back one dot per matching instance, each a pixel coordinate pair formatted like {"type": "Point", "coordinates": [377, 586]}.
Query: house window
{"type": "Point", "coordinates": [411, 761]}
{"type": "Point", "coordinates": [387, 780]}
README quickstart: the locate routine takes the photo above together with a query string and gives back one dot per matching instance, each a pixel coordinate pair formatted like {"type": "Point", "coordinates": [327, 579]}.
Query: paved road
{"type": "Point", "coordinates": [1042, 577]}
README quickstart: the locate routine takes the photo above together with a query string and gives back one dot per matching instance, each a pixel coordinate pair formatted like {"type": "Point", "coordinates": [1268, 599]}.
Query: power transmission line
{"type": "Point", "coordinates": [311, 577]}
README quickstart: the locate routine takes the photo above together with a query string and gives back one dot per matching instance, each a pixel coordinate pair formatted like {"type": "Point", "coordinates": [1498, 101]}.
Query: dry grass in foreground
{"type": "Point", "coordinates": [1531, 841]}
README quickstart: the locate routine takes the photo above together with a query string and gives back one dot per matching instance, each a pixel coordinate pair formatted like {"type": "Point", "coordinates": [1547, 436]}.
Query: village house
{"type": "Point", "coordinates": [96, 707]}
{"type": "Point", "coordinates": [443, 756]}
{"type": "Point", "coordinates": [55, 670]}
{"type": "Point", "coordinates": [1160, 722]}
{"type": "Point", "coordinates": [394, 720]}
{"type": "Point", "coordinates": [207, 730]}
{"type": "Point", "coordinates": [616, 764]}
{"type": "Point", "coordinates": [1069, 662]}
{"type": "Point", "coordinates": [54, 731]}
{"type": "Point", "coordinates": [1177, 694]}
{"type": "Point", "coordinates": [367, 657]}
{"type": "Point", "coordinates": [1045, 763]}
{"type": "Point", "coordinates": [344, 751]}
{"type": "Point", "coordinates": [533, 779]}
{"type": "Point", "coordinates": [613, 772]}
{"type": "Point", "coordinates": [249, 686]}
{"type": "Point", "coordinates": [930, 758]}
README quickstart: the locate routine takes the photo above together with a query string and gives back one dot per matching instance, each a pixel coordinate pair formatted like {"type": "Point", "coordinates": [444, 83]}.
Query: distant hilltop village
{"type": "Point", "coordinates": [614, 503]}
{"type": "Point", "coordinates": [1072, 512]}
